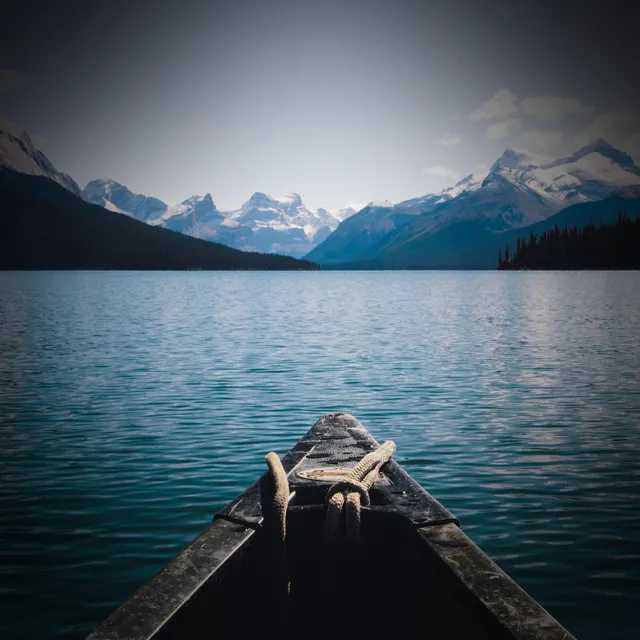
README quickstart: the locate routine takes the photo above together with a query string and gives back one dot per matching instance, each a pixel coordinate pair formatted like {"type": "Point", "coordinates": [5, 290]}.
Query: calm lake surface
{"type": "Point", "coordinates": [134, 405]}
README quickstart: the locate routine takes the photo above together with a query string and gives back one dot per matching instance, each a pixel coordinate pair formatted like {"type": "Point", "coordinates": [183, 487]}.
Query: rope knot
{"type": "Point", "coordinates": [349, 485]}
{"type": "Point", "coordinates": [353, 490]}
{"type": "Point", "coordinates": [344, 497]}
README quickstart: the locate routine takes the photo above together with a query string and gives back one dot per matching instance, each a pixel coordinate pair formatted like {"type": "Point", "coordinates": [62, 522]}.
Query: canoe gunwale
{"type": "Point", "coordinates": [151, 608]}
{"type": "Point", "coordinates": [335, 440]}
{"type": "Point", "coordinates": [507, 602]}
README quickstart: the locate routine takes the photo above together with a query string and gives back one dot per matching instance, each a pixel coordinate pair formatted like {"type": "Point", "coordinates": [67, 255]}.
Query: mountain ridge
{"type": "Point", "coordinates": [19, 153]}
{"type": "Point", "coordinates": [515, 193]}
{"type": "Point", "coordinates": [45, 226]}
{"type": "Point", "coordinates": [468, 245]}
{"type": "Point", "coordinates": [262, 223]}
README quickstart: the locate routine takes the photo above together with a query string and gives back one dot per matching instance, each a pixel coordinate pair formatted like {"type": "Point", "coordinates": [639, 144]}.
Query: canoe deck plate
{"type": "Point", "coordinates": [324, 474]}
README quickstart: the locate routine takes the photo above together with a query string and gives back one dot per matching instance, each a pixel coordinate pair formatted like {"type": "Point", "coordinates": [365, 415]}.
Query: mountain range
{"type": "Point", "coordinates": [47, 223]}
{"type": "Point", "coordinates": [263, 223]}
{"type": "Point", "coordinates": [43, 225]}
{"type": "Point", "coordinates": [462, 226]}
{"type": "Point", "coordinates": [282, 225]}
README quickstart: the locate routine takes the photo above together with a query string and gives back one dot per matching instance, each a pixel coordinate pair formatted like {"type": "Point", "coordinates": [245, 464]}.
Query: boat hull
{"type": "Point", "coordinates": [414, 573]}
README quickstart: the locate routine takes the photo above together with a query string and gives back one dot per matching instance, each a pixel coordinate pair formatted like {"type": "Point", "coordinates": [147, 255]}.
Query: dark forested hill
{"type": "Point", "coordinates": [615, 245]}
{"type": "Point", "coordinates": [44, 226]}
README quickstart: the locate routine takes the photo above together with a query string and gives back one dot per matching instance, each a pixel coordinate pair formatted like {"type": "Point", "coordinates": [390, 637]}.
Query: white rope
{"type": "Point", "coordinates": [280, 494]}
{"type": "Point", "coordinates": [346, 496]}
{"type": "Point", "coordinates": [276, 523]}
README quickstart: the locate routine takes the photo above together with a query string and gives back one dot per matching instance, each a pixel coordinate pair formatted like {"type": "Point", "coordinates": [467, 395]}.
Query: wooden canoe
{"type": "Point", "coordinates": [414, 573]}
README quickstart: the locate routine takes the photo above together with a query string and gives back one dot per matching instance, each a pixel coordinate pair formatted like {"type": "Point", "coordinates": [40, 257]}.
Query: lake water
{"type": "Point", "coordinates": [134, 405]}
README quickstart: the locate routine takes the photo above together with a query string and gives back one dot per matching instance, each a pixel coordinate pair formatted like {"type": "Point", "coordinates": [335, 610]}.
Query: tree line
{"type": "Point", "coordinates": [614, 245]}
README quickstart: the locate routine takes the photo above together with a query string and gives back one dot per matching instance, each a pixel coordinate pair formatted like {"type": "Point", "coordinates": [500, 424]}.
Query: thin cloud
{"type": "Point", "coordinates": [450, 139]}
{"type": "Point", "coordinates": [619, 128]}
{"type": "Point", "coordinates": [610, 126]}
{"type": "Point", "coordinates": [541, 139]}
{"type": "Point", "coordinates": [532, 157]}
{"type": "Point", "coordinates": [10, 79]}
{"type": "Point", "coordinates": [553, 108]}
{"type": "Point", "coordinates": [503, 105]}
{"type": "Point", "coordinates": [501, 130]}
{"type": "Point", "coordinates": [441, 172]}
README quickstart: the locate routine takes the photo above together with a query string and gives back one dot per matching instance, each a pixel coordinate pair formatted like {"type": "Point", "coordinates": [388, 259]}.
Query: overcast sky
{"type": "Point", "coordinates": [342, 101]}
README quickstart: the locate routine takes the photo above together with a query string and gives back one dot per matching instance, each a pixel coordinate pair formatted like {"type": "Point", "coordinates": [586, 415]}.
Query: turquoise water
{"type": "Point", "coordinates": [135, 405]}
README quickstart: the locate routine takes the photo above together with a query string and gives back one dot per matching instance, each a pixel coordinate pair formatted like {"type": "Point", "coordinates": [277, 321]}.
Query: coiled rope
{"type": "Point", "coordinates": [344, 497]}
{"type": "Point", "coordinates": [347, 495]}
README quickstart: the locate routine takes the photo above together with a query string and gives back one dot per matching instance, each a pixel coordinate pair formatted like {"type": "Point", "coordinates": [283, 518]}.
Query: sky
{"type": "Point", "coordinates": [341, 101]}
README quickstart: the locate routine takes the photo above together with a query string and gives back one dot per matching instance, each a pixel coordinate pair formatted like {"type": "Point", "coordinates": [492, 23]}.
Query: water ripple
{"type": "Point", "coordinates": [134, 405]}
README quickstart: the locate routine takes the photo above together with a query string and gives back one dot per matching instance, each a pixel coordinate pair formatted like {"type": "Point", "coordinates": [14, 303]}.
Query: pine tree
{"type": "Point", "coordinates": [615, 245]}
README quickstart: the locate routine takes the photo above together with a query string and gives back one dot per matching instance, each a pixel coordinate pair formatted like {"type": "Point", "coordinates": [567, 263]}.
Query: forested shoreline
{"type": "Point", "coordinates": [615, 245]}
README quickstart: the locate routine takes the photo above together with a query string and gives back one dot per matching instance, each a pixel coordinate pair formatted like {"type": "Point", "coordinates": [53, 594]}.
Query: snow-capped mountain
{"type": "Point", "coordinates": [515, 193]}
{"type": "Point", "coordinates": [18, 152]}
{"type": "Point", "coordinates": [263, 211]}
{"type": "Point", "coordinates": [592, 173]}
{"type": "Point", "coordinates": [361, 232]}
{"type": "Point", "coordinates": [116, 197]}
{"type": "Point", "coordinates": [263, 223]}
{"type": "Point", "coordinates": [284, 224]}
{"type": "Point", "coordinates": [180, 217]}
{"type": "Point", "coordinates": [272, 225]}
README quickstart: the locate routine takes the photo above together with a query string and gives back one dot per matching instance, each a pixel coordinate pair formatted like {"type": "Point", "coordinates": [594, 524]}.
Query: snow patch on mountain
{"type": "Point", "coordinates": [381, 204]}
{"type": "Point", "coordinates": [591, 173]}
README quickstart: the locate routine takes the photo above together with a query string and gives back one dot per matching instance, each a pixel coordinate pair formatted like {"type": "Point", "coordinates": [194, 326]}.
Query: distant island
{"type": "Point", "coordinates": [45, 226]}
{"type": "Point", "coordinates": [613, 245]}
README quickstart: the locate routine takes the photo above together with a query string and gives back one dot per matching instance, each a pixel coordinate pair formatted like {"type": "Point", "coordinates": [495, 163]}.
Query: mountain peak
{"type": "Point", "coordinates": [101, 182]}
{"type": "Point", "coordinates": [380, 204]}
{"type": "Point", "coordinates": [465, 180]}
{"type": "Point", "coordinates": [104, 188]}
{"type": "Point", "coordinates": [601, 144]}
{"type": "Point", "coordinates": [206, 204]}
{"type": "Point", "coordinates": [19, 153]}
{"type": "Point", "coordinates": [259, 199]}
{"type": "Point", "coordinates": [512, 159]}
{"type": "Point", "coordinates": [291, 201]}
{"type": "Point", "coordinates": [632, 191]}
{"type": "Point", "coordinates": [8, 127]}
{"type": "Point", "coordinates": [195, 201]}
{"type": "Point", "coordinates": [603, 148]}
